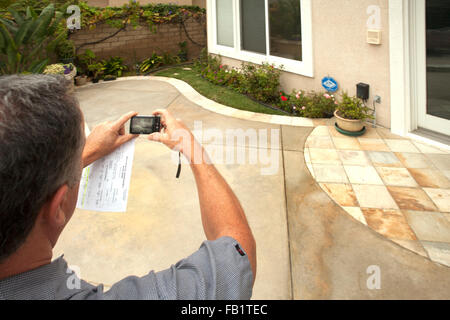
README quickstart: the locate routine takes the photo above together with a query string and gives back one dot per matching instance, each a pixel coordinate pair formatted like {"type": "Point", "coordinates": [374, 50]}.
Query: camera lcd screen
{"type": "Point", "coordinates": [144, 125]}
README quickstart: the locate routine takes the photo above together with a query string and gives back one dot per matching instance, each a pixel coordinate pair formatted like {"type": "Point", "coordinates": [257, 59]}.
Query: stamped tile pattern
{"type": "Point", "coordinates": [390, 223]}
{"type": "Point", "coordinates": [398, 187]}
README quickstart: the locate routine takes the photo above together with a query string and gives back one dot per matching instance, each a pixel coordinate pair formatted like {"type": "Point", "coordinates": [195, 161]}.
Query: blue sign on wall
{"type": "Point", "coordinates": [330, 84]}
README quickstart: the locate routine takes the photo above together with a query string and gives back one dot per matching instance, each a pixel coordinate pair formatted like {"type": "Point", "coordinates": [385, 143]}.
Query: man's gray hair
{"type": "Point", "coordinates": [41, 143]}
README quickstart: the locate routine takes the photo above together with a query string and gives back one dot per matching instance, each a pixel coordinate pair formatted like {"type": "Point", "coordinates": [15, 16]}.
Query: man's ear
{"type": "Point", "coordinates": [53, 209]}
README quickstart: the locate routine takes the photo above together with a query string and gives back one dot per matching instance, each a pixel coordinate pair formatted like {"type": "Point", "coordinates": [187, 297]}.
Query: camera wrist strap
{"type": "Point", "coordinates": [179, 165]}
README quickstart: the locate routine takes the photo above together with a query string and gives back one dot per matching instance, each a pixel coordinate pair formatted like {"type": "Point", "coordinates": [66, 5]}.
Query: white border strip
{"type": "Point", "coordinates": [191, 94]}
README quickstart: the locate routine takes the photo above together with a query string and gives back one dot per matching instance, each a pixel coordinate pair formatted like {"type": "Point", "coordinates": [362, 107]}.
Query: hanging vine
{"type": "Point", "coordinates": [133, 14]}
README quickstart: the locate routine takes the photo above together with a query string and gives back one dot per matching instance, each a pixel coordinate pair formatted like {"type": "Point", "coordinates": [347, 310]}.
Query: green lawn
{"type": "Point", "coordinates": [220, 94]}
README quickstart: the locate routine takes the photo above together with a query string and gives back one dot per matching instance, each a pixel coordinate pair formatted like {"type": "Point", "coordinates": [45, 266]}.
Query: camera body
{"type": "Point", "coordinates": [145, 124]}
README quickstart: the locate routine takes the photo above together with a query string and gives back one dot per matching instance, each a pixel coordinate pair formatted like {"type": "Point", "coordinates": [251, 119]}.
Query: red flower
{"type": "Point", "coordinates": [284, 98]}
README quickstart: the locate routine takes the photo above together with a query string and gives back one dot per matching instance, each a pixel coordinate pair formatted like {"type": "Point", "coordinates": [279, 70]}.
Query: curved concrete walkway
{"type": "Point", "coordinates": [308, 246]}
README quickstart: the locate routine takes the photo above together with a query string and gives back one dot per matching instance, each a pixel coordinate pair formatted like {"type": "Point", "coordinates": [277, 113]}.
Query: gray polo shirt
{"type": "Point", "coordinates": [220, 270]}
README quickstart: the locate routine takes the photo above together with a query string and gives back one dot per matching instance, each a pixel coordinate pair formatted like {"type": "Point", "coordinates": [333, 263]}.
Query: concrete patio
{"type": "Point", "coordinates": [308, 246]}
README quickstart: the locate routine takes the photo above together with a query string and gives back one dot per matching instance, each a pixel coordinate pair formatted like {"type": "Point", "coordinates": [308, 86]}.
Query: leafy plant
{"type": "Point", "coordinates": [37, 5]}
{"type": "Point", "coordinates": [133, 14]}
{"type": "Point", "coordinates": [109, 77]}
{"type": "Point", "coordinates": [153, 62]}
{"type": "Point", "coordinates": [168, 59]}
{"type": "Point", "coordinates": [261, 81]}
{"type": "Point", "coordinates": [114, 66]}
{"type": "Point", "coordinates": [353, 108]}
{"type": "Point", "coordinates": [27, 39]}
{"type": "Point", "coordinates": [295, 103]}
{"type": "Point", "coordinates": [96, 69]}
{"type": "Point", "coordinates": [310, 105]}
{"type": "Point", "coordinates": [59, 68]}
{"type": "Point", "coordinates": [54, 69]}
{"type": "Point", "coordinates": [65, 49]}
{"type": "Point", "coordinates": [85, 60]}
{"type": "Point", "coordinates": [322, 105]}
{"type": "Point", "coordinates": [183, 54]}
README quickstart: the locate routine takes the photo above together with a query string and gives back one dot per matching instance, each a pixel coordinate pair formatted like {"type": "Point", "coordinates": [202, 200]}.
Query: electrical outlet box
{"type": "Point", "coordinates": [374, 36]}
{"type": "Point", "coordinates": [362, 91]}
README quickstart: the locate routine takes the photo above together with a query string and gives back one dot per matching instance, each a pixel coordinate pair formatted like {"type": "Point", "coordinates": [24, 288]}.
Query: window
{"type": "Point", "coordinates": [253, 26]}
{"type": "Point", "coordinates": [274, 31]}
{"type": "Point", "coordinates": [285, 29]}
{"type": "Point", "coordinates": [224, 13]}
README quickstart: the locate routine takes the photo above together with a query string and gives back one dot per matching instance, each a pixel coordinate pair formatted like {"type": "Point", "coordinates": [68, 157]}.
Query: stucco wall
{"type": "Point", "coordinates": [341, 51]}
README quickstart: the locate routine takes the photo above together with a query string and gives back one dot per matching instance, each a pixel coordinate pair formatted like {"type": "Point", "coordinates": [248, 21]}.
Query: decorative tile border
{"type": "Point", "coordinates": [393, 185]}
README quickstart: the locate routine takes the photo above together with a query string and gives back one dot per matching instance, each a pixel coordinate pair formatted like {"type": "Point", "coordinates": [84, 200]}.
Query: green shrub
{"type": "Point", "coordinates": [153, 62]}
{"type": "Point", "coordinates": [353, 108]}
{"type": "Point", "coordinates": [168, 59]}
{"type": "Point", "coordinates": [321, 105]}
{"type": "Point", "coordinates": [262, 82]}
{"type": "Point", "coordinates": [310, 105]}
{"type": "Point", "coordinates": [183, 53]}
{"type": "Point", "coordinates": [114, 66]}
{"type": "Point", "coordinates": [83, 61]}
{"type": "Point", "coordinates": [65, 50]}
{"type": "Point", "coordinates": [97, 69]}
{"type": "Point", "coordinates": [294, 103]}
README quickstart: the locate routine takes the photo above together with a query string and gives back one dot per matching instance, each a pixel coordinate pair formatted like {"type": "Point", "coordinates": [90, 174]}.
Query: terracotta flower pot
{"type": "Point", "coordinates": [348, 124]}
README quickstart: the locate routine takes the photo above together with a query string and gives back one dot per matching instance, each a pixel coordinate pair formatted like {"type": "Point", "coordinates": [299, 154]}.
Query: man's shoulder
{"type": "Point", "coordinates": [53, 281]}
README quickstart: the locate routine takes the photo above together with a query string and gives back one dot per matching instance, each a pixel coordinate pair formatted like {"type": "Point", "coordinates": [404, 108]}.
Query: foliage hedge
{"type": "Point", "coordinates": [131, 14]}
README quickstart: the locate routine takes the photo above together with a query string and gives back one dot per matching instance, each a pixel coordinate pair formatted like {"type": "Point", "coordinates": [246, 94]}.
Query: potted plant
{"type": "Point", "coordinates": [67, 70]}
{"type": "Point", "coordinates": [97, 70]}
{"type": "Point", "coordinates": [350, 115]}
{"type": "Point", "coordinates": [81, 80]}
{"type": "Point", "coordinates": [81, 77]}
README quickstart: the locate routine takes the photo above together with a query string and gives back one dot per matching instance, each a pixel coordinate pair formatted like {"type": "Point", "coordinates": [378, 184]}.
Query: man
{"type": "Point", "coordinates": [42, 152]}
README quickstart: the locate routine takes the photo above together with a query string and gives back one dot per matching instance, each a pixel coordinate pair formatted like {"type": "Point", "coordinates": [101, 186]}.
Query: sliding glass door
{"type": "Point", "coordinates": [433, 50]}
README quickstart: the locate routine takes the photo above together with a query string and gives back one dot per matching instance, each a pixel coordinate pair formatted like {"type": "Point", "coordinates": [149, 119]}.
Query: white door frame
{"type": "Point", "coordinates": [419, 65]}
{"type": "Point", "coordinates": [399, 42]}
{"type": "Point", "coordinates": [408, 67]}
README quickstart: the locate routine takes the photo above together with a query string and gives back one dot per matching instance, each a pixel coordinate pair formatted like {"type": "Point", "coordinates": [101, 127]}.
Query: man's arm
{"type": "Point", "coordinates": [105, 138]}
{"type": "Point", "coordinates": [221, 212]}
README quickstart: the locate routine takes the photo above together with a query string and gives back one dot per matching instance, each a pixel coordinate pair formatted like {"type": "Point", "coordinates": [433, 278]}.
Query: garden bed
{"type": "Point", "coordinates": [220, 94]}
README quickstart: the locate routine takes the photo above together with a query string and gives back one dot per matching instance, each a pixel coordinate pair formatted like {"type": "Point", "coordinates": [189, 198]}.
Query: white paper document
{"type": "Point", "coordinates": [105, 183]}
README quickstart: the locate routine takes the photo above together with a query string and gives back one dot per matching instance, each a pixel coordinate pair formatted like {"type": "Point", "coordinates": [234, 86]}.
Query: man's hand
{"type": "Point", "coordinates": [105, 138]}
{"type": "Point", "coordinates": [178, 137]}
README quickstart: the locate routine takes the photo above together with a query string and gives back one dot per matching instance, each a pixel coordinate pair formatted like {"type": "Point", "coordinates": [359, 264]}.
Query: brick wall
{"type": "Point", "coordinates": [135, 45]}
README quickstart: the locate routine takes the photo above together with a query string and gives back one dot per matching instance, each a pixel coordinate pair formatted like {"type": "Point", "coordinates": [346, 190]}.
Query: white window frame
{"type": "Point", "coordinates": [304, 67]}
